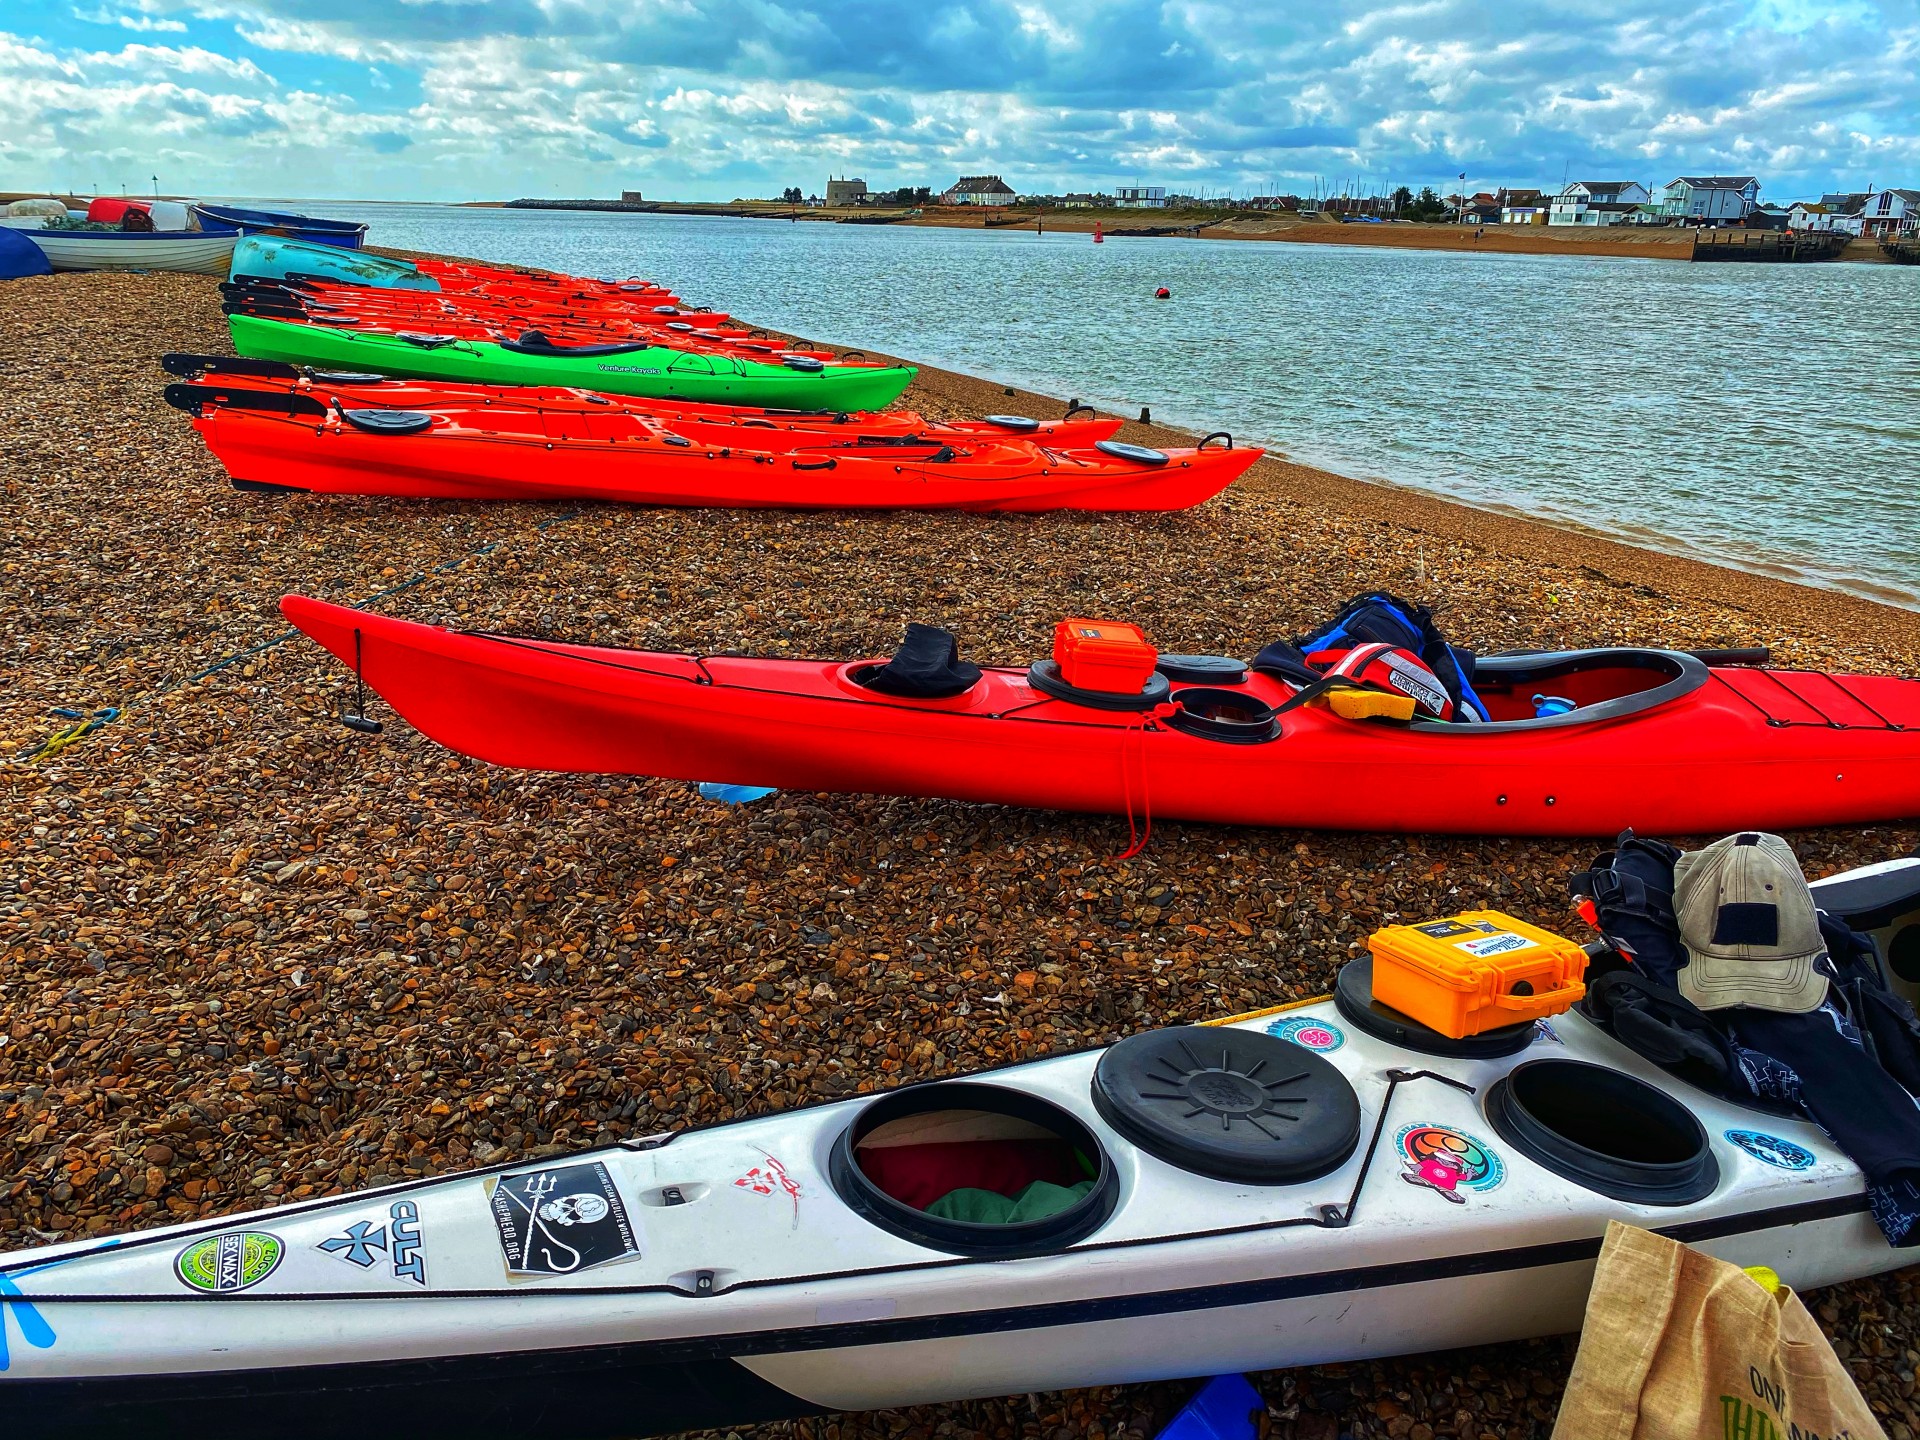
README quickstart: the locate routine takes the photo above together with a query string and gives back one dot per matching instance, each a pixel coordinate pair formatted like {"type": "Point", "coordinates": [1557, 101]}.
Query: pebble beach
{"type": "Point", "coordinates": [251, 956]}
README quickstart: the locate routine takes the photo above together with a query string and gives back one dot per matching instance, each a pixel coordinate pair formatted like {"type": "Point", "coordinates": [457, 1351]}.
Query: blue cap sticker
{"type": "Point", "coordinates": [1772, 1150]}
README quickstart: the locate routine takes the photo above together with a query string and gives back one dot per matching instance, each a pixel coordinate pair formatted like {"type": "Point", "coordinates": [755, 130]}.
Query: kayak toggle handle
{"type": "Point", "coordinates": [1074, 407]}
{"type": "Point", "coordinates": [827, 464]}
{"type": "Point", "coordinates": [1216, 435]}
{"type": "Point", "coordinates": [356, 719]}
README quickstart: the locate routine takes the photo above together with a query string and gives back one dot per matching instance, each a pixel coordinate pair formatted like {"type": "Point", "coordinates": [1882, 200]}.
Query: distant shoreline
{"type": "Point", "coordinates": [1628, 242]}
{"type": "Point", "coordinates": [1579, 241]}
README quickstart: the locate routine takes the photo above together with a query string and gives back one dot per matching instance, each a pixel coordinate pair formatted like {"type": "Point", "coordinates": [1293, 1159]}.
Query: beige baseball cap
{"type": "Point", "coordinates": [1749, 925]}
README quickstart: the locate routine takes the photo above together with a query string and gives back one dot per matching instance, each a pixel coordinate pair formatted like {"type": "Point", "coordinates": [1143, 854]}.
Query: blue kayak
{"type": "Point", "coordinates": [233, 219]}
{"type": "Point", "coordinates": [274, 257]}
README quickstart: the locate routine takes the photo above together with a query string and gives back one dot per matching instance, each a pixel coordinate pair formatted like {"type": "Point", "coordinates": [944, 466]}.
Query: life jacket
{"type": "Point", "coordinates": [1388, 667]}
{"type": "Point", "coordinates": [1380, 618]}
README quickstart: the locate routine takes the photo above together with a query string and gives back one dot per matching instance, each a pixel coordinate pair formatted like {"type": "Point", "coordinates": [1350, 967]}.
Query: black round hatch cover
{"type": "Point", "coordinates": [1202, 669]}
{"type": "Point", "coordinates": [1229, 1104]}
{"type": "Point", "coordinates": [387, 422]}
{"type": "Point", "coordinates": [1140, 454]}
{"type": "Point", "coordinates": [1353, 994]}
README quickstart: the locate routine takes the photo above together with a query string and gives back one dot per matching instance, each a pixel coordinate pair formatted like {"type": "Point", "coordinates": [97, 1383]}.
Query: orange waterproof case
{"type": "Point", "coordinates": [1475, 972]}
{"type": "Point", "coordinates": [1103, 655]}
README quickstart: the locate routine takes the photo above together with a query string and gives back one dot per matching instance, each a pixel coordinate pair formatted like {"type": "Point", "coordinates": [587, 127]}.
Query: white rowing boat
{"type": "Point", "coordinates": [1288, 1188]}
{"type": "Point", "coordinates": [186, 250]}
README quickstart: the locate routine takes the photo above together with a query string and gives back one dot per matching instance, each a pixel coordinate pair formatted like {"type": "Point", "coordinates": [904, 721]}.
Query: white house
{"type": "Point", "coordinates": [979, 190]}
{"type": "Point", "coordinates": [1597, 202]}
{"type": "Point", "coordinates": [1523, 207]}
{"type": "Point", "coordinates": [1710, 199]}
{"type": "Point", "coordinates": [1888, 212]}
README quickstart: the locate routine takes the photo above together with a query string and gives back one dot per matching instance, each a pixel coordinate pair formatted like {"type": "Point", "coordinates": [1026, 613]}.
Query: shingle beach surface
{"type": "Point", "coordinates": [251, 956]}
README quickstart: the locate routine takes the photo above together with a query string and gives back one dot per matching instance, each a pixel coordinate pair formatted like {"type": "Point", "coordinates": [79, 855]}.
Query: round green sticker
{"type": "Point", "coordinates": [222, 1264]}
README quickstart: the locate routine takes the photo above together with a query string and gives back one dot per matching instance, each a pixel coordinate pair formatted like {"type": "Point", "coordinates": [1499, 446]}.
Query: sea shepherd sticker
{"type": "Point", "coordinates": [557, 1221]}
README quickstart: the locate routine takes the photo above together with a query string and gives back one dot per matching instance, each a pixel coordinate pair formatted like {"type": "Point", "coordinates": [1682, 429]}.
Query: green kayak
{"type": "Point", "coordinates": [654, 372]}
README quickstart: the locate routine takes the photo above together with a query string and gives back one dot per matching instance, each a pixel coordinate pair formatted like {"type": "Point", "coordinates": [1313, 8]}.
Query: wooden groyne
{"type": "Point", "coordinates": [1902, 252]}
{"type": "Point", "coordinates": [1774, 247]}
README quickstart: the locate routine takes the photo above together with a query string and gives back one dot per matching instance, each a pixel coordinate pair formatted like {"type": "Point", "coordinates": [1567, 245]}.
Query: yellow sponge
{"type": "Point", "coordinates": [1369, 705]}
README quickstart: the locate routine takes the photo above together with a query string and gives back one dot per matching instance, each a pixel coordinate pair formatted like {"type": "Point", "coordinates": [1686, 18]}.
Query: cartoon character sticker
{"type": "Point", "coordinates": [561, 1220]}
{"type": "Point", "coordinates": [1772, 1150]}
{"type": "Point", "coordinates": [1449, 1162]}
{"type": "Point", "coordinates": [772, 1178]}
{"type": "Point", "coordinates": [1309, 1034]}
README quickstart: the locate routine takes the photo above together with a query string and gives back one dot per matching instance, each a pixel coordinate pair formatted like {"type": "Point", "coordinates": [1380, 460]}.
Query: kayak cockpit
{"type": "Point", "coordinates": [1520, 691]}
{"type": "Point", "coordinates": [975, 1169]}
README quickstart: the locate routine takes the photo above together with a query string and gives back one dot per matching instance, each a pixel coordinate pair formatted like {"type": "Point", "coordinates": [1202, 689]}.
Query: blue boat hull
{"type": "Point", "coordinates": [234, 220]}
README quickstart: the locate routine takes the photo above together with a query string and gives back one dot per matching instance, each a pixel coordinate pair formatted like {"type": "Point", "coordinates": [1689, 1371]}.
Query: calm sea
{"type": "Point", "coordinates": [1763, 416]}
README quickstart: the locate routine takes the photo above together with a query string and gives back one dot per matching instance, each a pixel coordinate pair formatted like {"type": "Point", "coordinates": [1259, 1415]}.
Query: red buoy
{"type": "Point", "coordinates": [1098, 238]}
{"type": "Point", "coordinates": [1163, 293]}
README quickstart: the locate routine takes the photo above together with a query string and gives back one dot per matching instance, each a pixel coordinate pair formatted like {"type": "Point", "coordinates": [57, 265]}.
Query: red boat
{"type": "Point", "coordinates": [1658, 740]}
{"type": "Point", "coordinates": [474, 317]}
{"type": "Point", "coordinates": [238, 381]}
{"type": "Point", "coordinates": [321, 441]}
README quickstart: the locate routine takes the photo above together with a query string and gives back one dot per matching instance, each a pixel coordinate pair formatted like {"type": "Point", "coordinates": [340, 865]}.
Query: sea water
{"type": "Point", "coordinates": [1763, 416]}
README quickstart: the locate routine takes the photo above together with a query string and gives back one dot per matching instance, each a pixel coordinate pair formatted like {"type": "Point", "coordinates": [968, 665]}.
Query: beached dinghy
{"type": "Point", "coordinates": [238, 220]}
{"type": "Point", "coordinates": [646, 368]}
{"type": "Point", "coordinates": [1657, 740]}
{"type": "Point", "coordinates": [184, 250]}
{"type": "Point", "coordinates": [320, 442]}
{"type": "Point", "coordinates": [1290, 1188]}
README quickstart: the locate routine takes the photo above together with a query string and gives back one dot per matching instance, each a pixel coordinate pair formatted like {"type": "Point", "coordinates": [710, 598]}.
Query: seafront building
{"type": "Point", "coordinates": [1598, 202]}
{"type": "Point", "coordinates": [1710, 199]}
{"type": "Point", "coordinates": [978, 190]}
{"type": "Point", "coordinates": [846, 192]}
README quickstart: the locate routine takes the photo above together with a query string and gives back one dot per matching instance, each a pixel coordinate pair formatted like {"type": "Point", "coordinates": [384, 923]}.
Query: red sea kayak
{"type": "Point", "coordinates": [1659, 741]}
{"type": "Point", "coordinates": [256, 382]}
{"type": "Point", "coordinates": [315, 440]}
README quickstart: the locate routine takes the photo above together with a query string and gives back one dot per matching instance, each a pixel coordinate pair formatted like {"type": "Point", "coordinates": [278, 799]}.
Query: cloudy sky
{"type": "Point", "coordinates": [709, 99]}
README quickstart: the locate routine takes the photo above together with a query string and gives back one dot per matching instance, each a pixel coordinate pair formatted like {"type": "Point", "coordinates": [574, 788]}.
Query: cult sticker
{"type": "Point", "coordinates": [771, 1178]}
{"type": "Point", "coordinates": [398, 1242]}
{"type": "Point", "coordinates": [226, 1264]}
{"type": "Point", "coordinates": [1448, 1161]}
{"type": "Point", "coordinates": [1772, 1150]}
{"type": "Point", "coordinates": [1309, 1034]}
{"type": "Point", "coordinates": [561, 1220]}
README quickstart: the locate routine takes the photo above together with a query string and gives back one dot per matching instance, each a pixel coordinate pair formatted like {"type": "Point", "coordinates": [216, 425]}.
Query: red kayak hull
{"type": "Point", "coordinates": [1746, 749]}
{"type": "Point", "coordinates": [532, 454]}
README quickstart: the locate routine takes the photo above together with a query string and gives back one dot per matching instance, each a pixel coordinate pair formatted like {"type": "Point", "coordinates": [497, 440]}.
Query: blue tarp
{"type": "Point", "coordinates": [20, 256]}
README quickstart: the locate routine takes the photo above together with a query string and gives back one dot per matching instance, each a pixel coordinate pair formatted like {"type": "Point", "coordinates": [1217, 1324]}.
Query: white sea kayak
{"type": "Point", "coordinates": [187, 250]}
{"type": "Point", "coordinates": [1288, 1188]}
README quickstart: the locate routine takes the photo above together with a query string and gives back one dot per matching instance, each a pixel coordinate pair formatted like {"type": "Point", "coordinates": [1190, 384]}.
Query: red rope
{"type": "Point", "coordinates": [1137, 837]}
